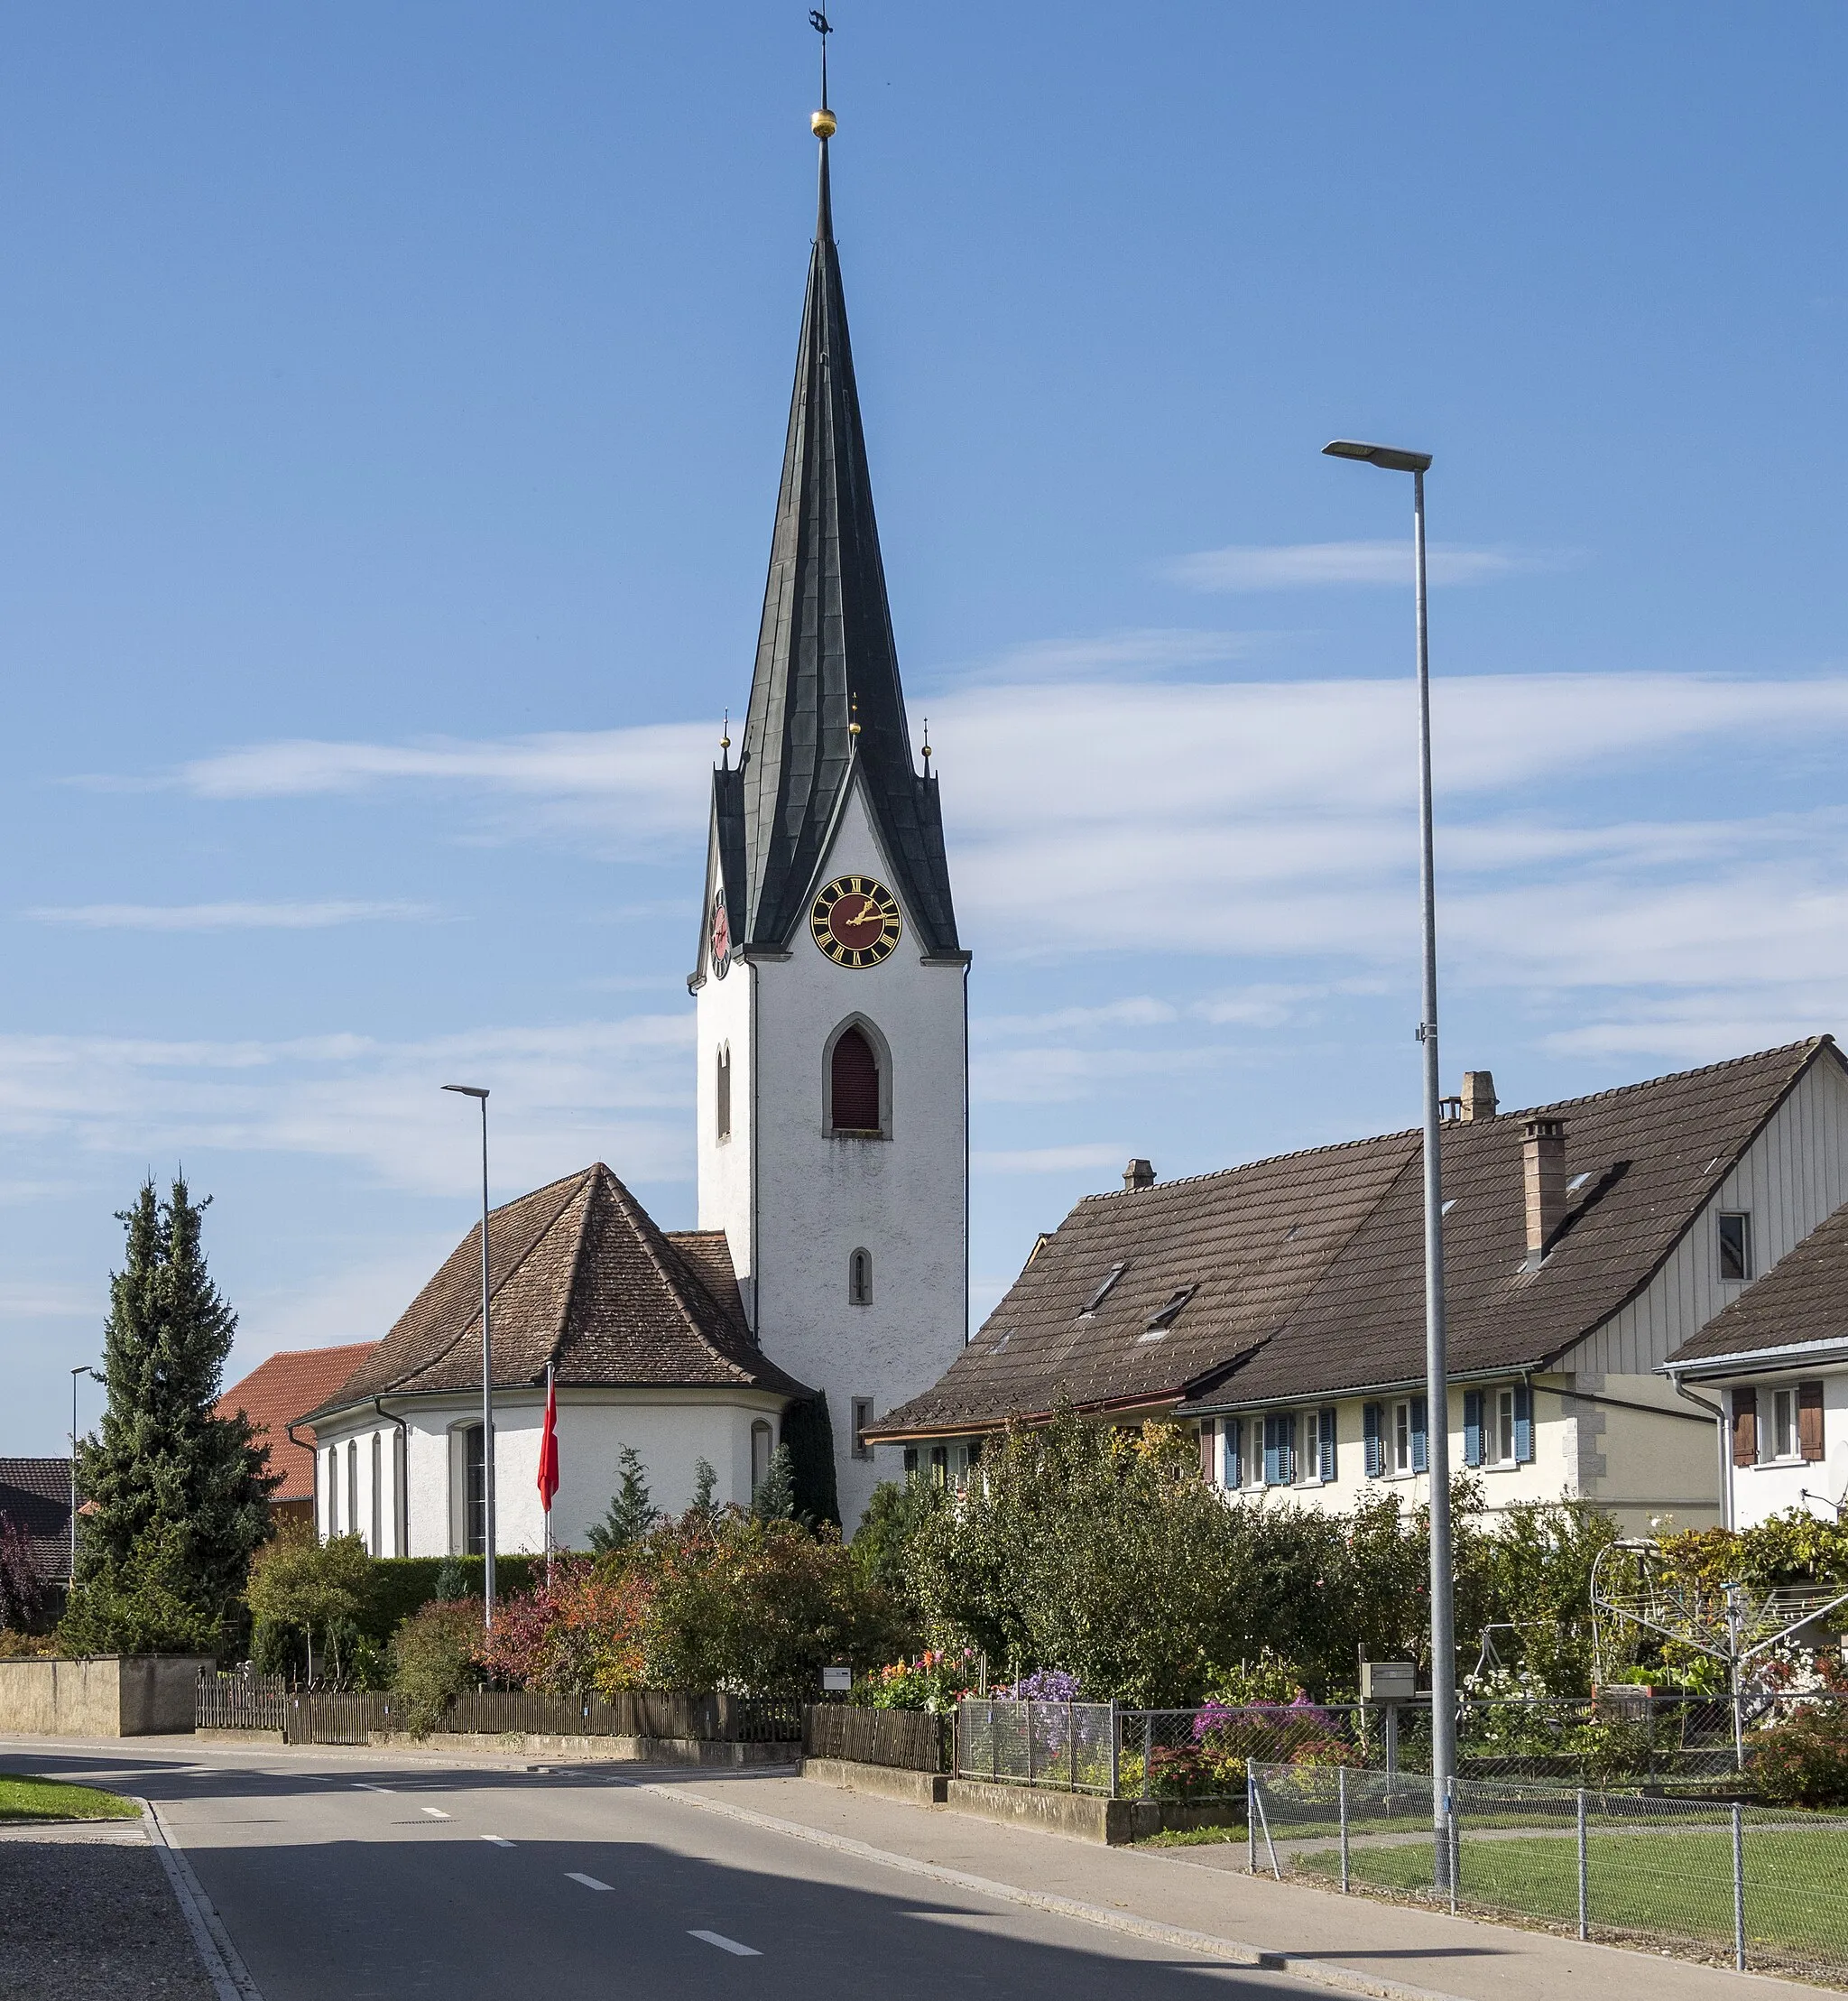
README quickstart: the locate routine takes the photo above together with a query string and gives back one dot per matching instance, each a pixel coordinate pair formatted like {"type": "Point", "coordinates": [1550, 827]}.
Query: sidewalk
{"type": "Point", "coordinates": [1351, 1942]}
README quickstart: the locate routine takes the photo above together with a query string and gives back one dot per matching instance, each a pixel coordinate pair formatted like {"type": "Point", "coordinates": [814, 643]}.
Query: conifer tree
{"type": "Point", "coordinates": [775, 1499]}
{"type": "Point", "coordinates": [178, 1497]}
{"type": "Point", "coordinates": [632, 1511]}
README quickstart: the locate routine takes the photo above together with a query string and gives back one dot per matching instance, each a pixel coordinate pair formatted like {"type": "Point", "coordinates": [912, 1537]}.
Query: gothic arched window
{"type": "Point", "coordinates": [860, 1278]}
{"type": "Point", "coordinates": [853, 1095]}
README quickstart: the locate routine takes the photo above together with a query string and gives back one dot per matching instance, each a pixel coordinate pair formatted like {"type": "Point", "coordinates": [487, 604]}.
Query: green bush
{"type": "Point", "coordinates": [400, 1586]}
{"type": "Point", "coordinates": [433, 1659]}
{"type": "Point", "coordinates": [1804, 1761]}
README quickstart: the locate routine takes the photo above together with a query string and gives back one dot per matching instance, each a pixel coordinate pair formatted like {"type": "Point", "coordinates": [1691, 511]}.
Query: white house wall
{"type": "Point", "coordinates": [1792, 1176]}
{"type": "Point", "coordinates": [1772, 1487]}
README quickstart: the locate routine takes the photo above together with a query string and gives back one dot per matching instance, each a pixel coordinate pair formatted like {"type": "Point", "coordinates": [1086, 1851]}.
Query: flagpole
{"type": "Point", "coordinates": [552, 1420]}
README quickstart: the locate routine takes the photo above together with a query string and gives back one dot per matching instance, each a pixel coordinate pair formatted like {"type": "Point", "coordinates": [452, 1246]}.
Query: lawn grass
{"type": "Point", "coordinates": [1192, 1837]}
{"type": "Point", "coordinates": [22, 1799]}
{"type": "Point", "coordinates": [1679, 1884]}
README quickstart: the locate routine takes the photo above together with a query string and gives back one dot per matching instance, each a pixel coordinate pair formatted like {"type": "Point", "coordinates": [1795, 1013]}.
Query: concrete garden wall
{"type": "Point", "coordinates": [112, 1695]}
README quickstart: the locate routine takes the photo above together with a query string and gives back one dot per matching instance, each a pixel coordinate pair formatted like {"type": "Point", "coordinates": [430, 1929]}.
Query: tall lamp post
{"type": "Point", "coordinates": [82, 1368]}
{"type": "Point", "coordinates": [487, 1379]}
{"type": "Point", "coordinates": [1436, 1358]}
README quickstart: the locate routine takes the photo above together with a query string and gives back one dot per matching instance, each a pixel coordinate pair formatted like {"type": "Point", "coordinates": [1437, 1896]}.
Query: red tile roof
{"type": "Point", "coordinates": [277, 1392]}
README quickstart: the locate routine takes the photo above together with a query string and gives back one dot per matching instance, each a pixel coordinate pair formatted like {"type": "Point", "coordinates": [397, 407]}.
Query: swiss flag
{"type": "Point", "coordinates": [549, 1446]}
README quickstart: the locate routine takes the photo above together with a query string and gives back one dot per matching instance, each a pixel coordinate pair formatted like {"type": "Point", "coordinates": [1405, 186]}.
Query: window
{"type": "Point", "coordinates": [1735, 1245]}
{"type": "Point", "coordinates": [1783, 1424]}
{"type": "Point", "coordinates": [1164, 1317]}
{"type": "Point", "coordinates": [352, 1486]}
{"type": "Point", "coordinates": [1498, 1426]}
{"type": "Point", "coordinates": [333, 1490]}
{"type": "Point", "coordinates": [1793, 1429]}
{"type": "Point", "coordinates": [860, 1278]}
{"type": "Point", "coordinates": [401, 1507]}
{"type": "Point", "coordinates": [722, 1092]}
{"type": "Point", "coordinates": [1401, 1438]}
{"type": "Point", "coordinates": [940, 1466]}
{"type": "Point", "coordinates": [474, 1492]}
{"type": "Point", "coordinates": [910, 1461]}
{"type": "Point", "coordinates": [1231, 1452]}
{"type": "Point", "coordinates": [378, 1490]}
{"type": "Point", "coordinates": [854, 1086]}
{"type": "Point", "coordinates": [862, 1417]}
{"type": "Point", "coordinates": [1280, 1449]}
{"type": "Point", "coordinates": [759, 1455]}
{"type": "Point", "coordinates": [1394, 1436]}
{"type": "Point", "coordinates": [1102, 1291]}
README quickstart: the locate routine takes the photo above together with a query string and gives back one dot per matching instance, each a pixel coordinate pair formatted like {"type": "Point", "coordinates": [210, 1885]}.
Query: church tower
{"type": "Point", "coordinates": [831, 987]}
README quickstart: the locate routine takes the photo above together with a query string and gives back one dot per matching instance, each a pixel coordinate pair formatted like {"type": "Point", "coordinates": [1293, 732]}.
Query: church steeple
{"type": "Point", "coordinates": [825, 654]}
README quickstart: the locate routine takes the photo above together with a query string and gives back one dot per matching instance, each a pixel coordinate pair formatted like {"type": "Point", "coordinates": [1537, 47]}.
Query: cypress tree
{"type": "Point", "coordinates": [179, 1497]}
{"type": "Point", "coordinates": [808, 1436]}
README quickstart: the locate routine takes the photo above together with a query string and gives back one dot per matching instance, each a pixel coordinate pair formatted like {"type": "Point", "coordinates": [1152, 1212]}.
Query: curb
{"type": "Point", "coordinates": [224, 1965]}
{"type": "Point", "coordinates": [1236, 1951]}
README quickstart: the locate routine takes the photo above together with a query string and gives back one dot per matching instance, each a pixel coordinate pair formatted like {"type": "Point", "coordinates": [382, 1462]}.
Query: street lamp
{"type": "Point", "coordinates": [82, 1368]}
{"type": "Point", "coordinates": [1437, 1360]}
{"type": "Point", "coordinates": [487, 1379]}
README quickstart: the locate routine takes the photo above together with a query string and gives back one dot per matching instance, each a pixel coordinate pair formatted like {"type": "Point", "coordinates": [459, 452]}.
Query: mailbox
{"type": "Point", "coordinates": [1389, 1680]}
{"type": "Point", "coordinates": [837, 1681]}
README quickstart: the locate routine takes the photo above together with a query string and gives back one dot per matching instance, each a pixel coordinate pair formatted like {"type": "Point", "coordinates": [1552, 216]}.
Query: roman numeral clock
{"type": "Point", "coordinates": [855, 921]}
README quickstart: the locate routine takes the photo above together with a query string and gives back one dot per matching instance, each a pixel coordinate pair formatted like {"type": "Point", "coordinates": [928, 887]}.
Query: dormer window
{"type": "Point", "coordinates": [1103, 1290]}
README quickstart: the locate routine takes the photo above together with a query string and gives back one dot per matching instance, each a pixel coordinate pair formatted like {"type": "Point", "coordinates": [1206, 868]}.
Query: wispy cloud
{"type": "Point", "coordinates": [224, 917]}
{"type": "Point", "coordinates": [1045, 1159]}
{"type": "Point", "coordinates": [1310, 565]}
{"type": "Point", "coordinates": [1143, 653]}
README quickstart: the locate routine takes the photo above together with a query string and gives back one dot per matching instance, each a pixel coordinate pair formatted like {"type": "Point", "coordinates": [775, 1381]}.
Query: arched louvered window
{"type": "Point", "coordinates": [853, 1094]}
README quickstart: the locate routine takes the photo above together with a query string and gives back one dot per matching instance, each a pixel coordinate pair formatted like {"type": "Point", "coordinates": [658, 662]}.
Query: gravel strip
{"type": "Point", "coordinates": [85, 1914]}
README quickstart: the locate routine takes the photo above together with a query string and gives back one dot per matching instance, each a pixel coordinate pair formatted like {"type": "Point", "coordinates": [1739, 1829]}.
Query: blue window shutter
{"type": "Point", "coordinates": [1523, 1423]}
{"type": "Point", "coordinates": [1271, 1442]}
{"type": "Point", "coordinates": [1471, 1427]}
{"type": "Point", "coordinates": [1372, 1456]}
{"type": "Point", "coordinates": [1420, 1442]}
{"type": "Point", "coordinates": [1287, 1453]}
{"type": "Point", "coordinates": [1325, 1444]}
{"type": "Point", "coordinates": [1234, 1434]}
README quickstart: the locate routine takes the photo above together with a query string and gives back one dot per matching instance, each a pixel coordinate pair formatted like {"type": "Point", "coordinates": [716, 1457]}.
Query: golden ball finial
{"type": "Point", "coordinates": [822, 123]}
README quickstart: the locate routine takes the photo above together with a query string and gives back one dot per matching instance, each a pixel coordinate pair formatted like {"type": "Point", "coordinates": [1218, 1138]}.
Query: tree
{"type": "Point", "coordinates": [705, 1485]}
{"type": "Point", "coordinates": [631, 1511]}
{"type": "Point", "coordinates": [313, 1586]}
{"type": "Point", "coordinates": [808, 1436]}
{"type": "Point", "coordinates": [24, 1597]}
{"type": "Point", "coordinates": [775, 1499]}
{"type": "Point", "coordinates": [179, 1497]}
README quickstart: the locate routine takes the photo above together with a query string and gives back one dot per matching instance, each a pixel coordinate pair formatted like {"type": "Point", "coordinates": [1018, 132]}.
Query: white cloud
{"type": "Point", "coordinates": [1129, 655]}
{"type": "Point", "coordinates": [356, 1302]}
{"type": "Point", "coordinates": [563, 1096]}
{"type": "Point", "coordinates": [1045, 1159]}
{"type": "Point", "coordinates": [216, 917]}
{"type": "Point", "coordinates": [1309, 565]}
{"type": "Point", "coordinates": [28, 1299]}
{"type": "Point", "coordinates": [1139, 1010]}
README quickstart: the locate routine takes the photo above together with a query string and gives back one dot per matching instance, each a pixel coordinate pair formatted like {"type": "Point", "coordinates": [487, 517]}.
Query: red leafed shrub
{"type": "Point", "coordinates": [581, 1633]}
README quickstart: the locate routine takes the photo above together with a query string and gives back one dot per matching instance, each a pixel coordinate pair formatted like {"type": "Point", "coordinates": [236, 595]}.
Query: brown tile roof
{"type": "Point", "coordinates": [583, 1278]}
{"type": "Point", "coordinates": [1803, 1297]}
{"type": "Point", "coordinates": [36, 1493]}
{"type": "Point", "coordinates": [275, 1394]}
{"type": "Point", "coordinates": [1309, 1268]}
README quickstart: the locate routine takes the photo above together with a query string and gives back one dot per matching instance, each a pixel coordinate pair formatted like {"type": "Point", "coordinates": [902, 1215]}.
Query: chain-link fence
{"type": "Point", "coordinates": [1200, 1754]}
{"type": "Point", "coordinates": [1069, 1746]}
{"type": "Point", "coordinates": [1716, 1877]}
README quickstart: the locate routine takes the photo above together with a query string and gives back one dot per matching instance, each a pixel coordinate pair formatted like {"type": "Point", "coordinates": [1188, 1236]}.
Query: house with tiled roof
{"type": "Point", "coordinates": [1772, 1368]}
{"type": "Point", "coordinates": [36, 1495]}
{"type": "Point", "coordinates": [1279, 1307]}
{"type": "Point", "coordinates": [272, 1397]}
{"type": "Point", "coordinates": [647, 1344]}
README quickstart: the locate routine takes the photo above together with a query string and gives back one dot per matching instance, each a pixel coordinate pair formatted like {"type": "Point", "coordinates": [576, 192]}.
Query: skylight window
{"type": "Point", "coordinates": [1577, 1182]}
{"type": "Point", "coordinates": [1164, 1317]}
{"type": "Point", "coordinates": [1103, 1290]}
{"type": "Point", "coordinates": [1450, 1205]}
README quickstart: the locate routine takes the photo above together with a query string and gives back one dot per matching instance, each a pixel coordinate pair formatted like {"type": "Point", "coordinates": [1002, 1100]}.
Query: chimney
{"type": "Point", "coordinates": [1139, 1174]}
{"type": "Point", "coordinates": [1478, 1099]}
{"type": "Point", "coordinates": [1543, 1175]}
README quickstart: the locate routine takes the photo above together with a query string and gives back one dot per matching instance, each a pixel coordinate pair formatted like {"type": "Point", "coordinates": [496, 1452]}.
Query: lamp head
{"type": "Point", "coordinates": [465, 1090]}
{"type": "Point", "coordinates": [1389, 457]}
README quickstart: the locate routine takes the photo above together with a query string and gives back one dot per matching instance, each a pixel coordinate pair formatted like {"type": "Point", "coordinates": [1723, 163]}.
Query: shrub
{"type": "Point", "coordinates": [1804, 1762]}
{"type": "Point", "coordinates": [25, 1598]}
{"type": "Point", "coordinates": [313, 1588]}
{"type": "Point", "coordinates": [433, 1658]}
{"type": "Point", "coordinates": [933, 1681]}
{"type": "Point", "coordinates": [581, 1633]}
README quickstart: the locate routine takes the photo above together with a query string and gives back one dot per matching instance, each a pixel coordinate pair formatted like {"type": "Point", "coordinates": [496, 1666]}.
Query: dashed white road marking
{"type": "Point", "coordinates": [435, 1812]}
{"type": "Point", "coordinates": [727, 1945]}
{"type": "Point", "coordinates": [363, 1787]}
{"type": "Point", "coordinates": [499, 1840]}
{"type": "Point", "coordinates": [589, 1881]}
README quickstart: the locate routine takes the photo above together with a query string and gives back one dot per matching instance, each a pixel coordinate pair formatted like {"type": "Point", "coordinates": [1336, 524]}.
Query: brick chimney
{"type": "Point", "coordinates": [1139, 1174]}
{"type": "Point", "coordinates": [1543, 1176]}
{"type": "Point", "coordinates": [1478, 1099]}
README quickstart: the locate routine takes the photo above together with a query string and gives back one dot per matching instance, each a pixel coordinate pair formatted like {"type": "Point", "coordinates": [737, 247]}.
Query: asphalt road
{"type": "Point", "coordinates": [339, 1879]}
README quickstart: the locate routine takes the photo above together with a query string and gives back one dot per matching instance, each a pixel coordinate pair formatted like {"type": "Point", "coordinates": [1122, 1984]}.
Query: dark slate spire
{"type": "Point", "coordinates": [824, 655]}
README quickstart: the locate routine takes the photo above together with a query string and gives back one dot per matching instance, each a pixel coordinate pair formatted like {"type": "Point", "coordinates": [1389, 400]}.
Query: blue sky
{"type": "Point", "coordinates": [390, 406]}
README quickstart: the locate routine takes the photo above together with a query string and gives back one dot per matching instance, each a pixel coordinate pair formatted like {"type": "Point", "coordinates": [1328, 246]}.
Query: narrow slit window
{"type": "Point", "coordinates": [853, 1095]}
{"type": "Point", "coordinates": [760, 1456]}
{"type": "Point", "coordinates": [860, 1278]}
{"type": "Point", "coordinates": [722, 1093]}
{"type": "Point", "coordinates": [862, 1417]}
{"type": "Point", "coordinates": [474, 1492]}
{"type": "Point", "coordinates": [1735, 1245]}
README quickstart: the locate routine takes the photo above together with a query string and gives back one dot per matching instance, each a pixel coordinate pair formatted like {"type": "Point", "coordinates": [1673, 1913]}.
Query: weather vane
{"type": "Point", "coordinates": [823, 121]}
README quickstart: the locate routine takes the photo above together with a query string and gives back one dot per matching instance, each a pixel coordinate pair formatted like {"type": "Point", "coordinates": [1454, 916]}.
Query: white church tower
{"type": "Point", "coordinates": [831, 988]}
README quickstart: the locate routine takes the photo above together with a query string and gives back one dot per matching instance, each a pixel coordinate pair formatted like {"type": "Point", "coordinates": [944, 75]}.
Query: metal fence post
{"type": "Point", "coordinates": [1071, 1746]}
{"type": "Point", "coordinates": [1340, 1781]}
{"type": "Point", "coordinates": [1115, 1750]}
{"type": "Point", "coordinates": [1029, 1741]}
{"type": "Point", "coordinates": [1583, 1874]}
{"type": "Point", "coordinates": [1147, 1752]}
{"type": "Point", "coordinates": [1738, 1888]}
{"type": "Point", "coordinates": [1453, 1846]}
{"type": "Point", "coordinates": [1251, 1819]}
{"type": "Point", "coordinates": [994, 1745]}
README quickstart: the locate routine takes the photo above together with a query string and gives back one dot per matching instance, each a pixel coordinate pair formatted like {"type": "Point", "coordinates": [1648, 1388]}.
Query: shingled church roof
{"type": "Point", "coordinates": [582, 1278]}
{"type": "Point", "coordinates": [825, 657]}
{"type": "Point", "coordinates": [1304, 1276]}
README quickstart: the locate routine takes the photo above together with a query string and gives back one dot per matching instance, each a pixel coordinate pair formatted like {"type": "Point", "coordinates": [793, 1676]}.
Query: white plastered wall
{"type": "Point", "coordinates": [795, 1201]}
{"type": "Point", "coordinates": [1772, 1487]}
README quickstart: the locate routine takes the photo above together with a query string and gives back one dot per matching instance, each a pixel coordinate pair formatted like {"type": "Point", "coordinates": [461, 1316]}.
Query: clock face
{"type": "Point", "coordinates": [721, 936]}
{"type": "Point", "coordinates": [855, 921]}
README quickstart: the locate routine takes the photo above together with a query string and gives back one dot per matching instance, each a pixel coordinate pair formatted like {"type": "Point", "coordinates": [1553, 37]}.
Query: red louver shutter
{"type": "Point", "coordinates": [856, 1085]}
{"type": "Point", "coordinates": [1745, 1427]}
{"type": "Point", "coordinates": [1809, 1420]}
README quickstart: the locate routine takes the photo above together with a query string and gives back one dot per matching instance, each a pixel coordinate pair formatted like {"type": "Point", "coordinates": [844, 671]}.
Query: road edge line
{"type": "Point", "coordinates": [224, 1964]}
{"type": "Point", "coordinates": [1239, 1951]}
